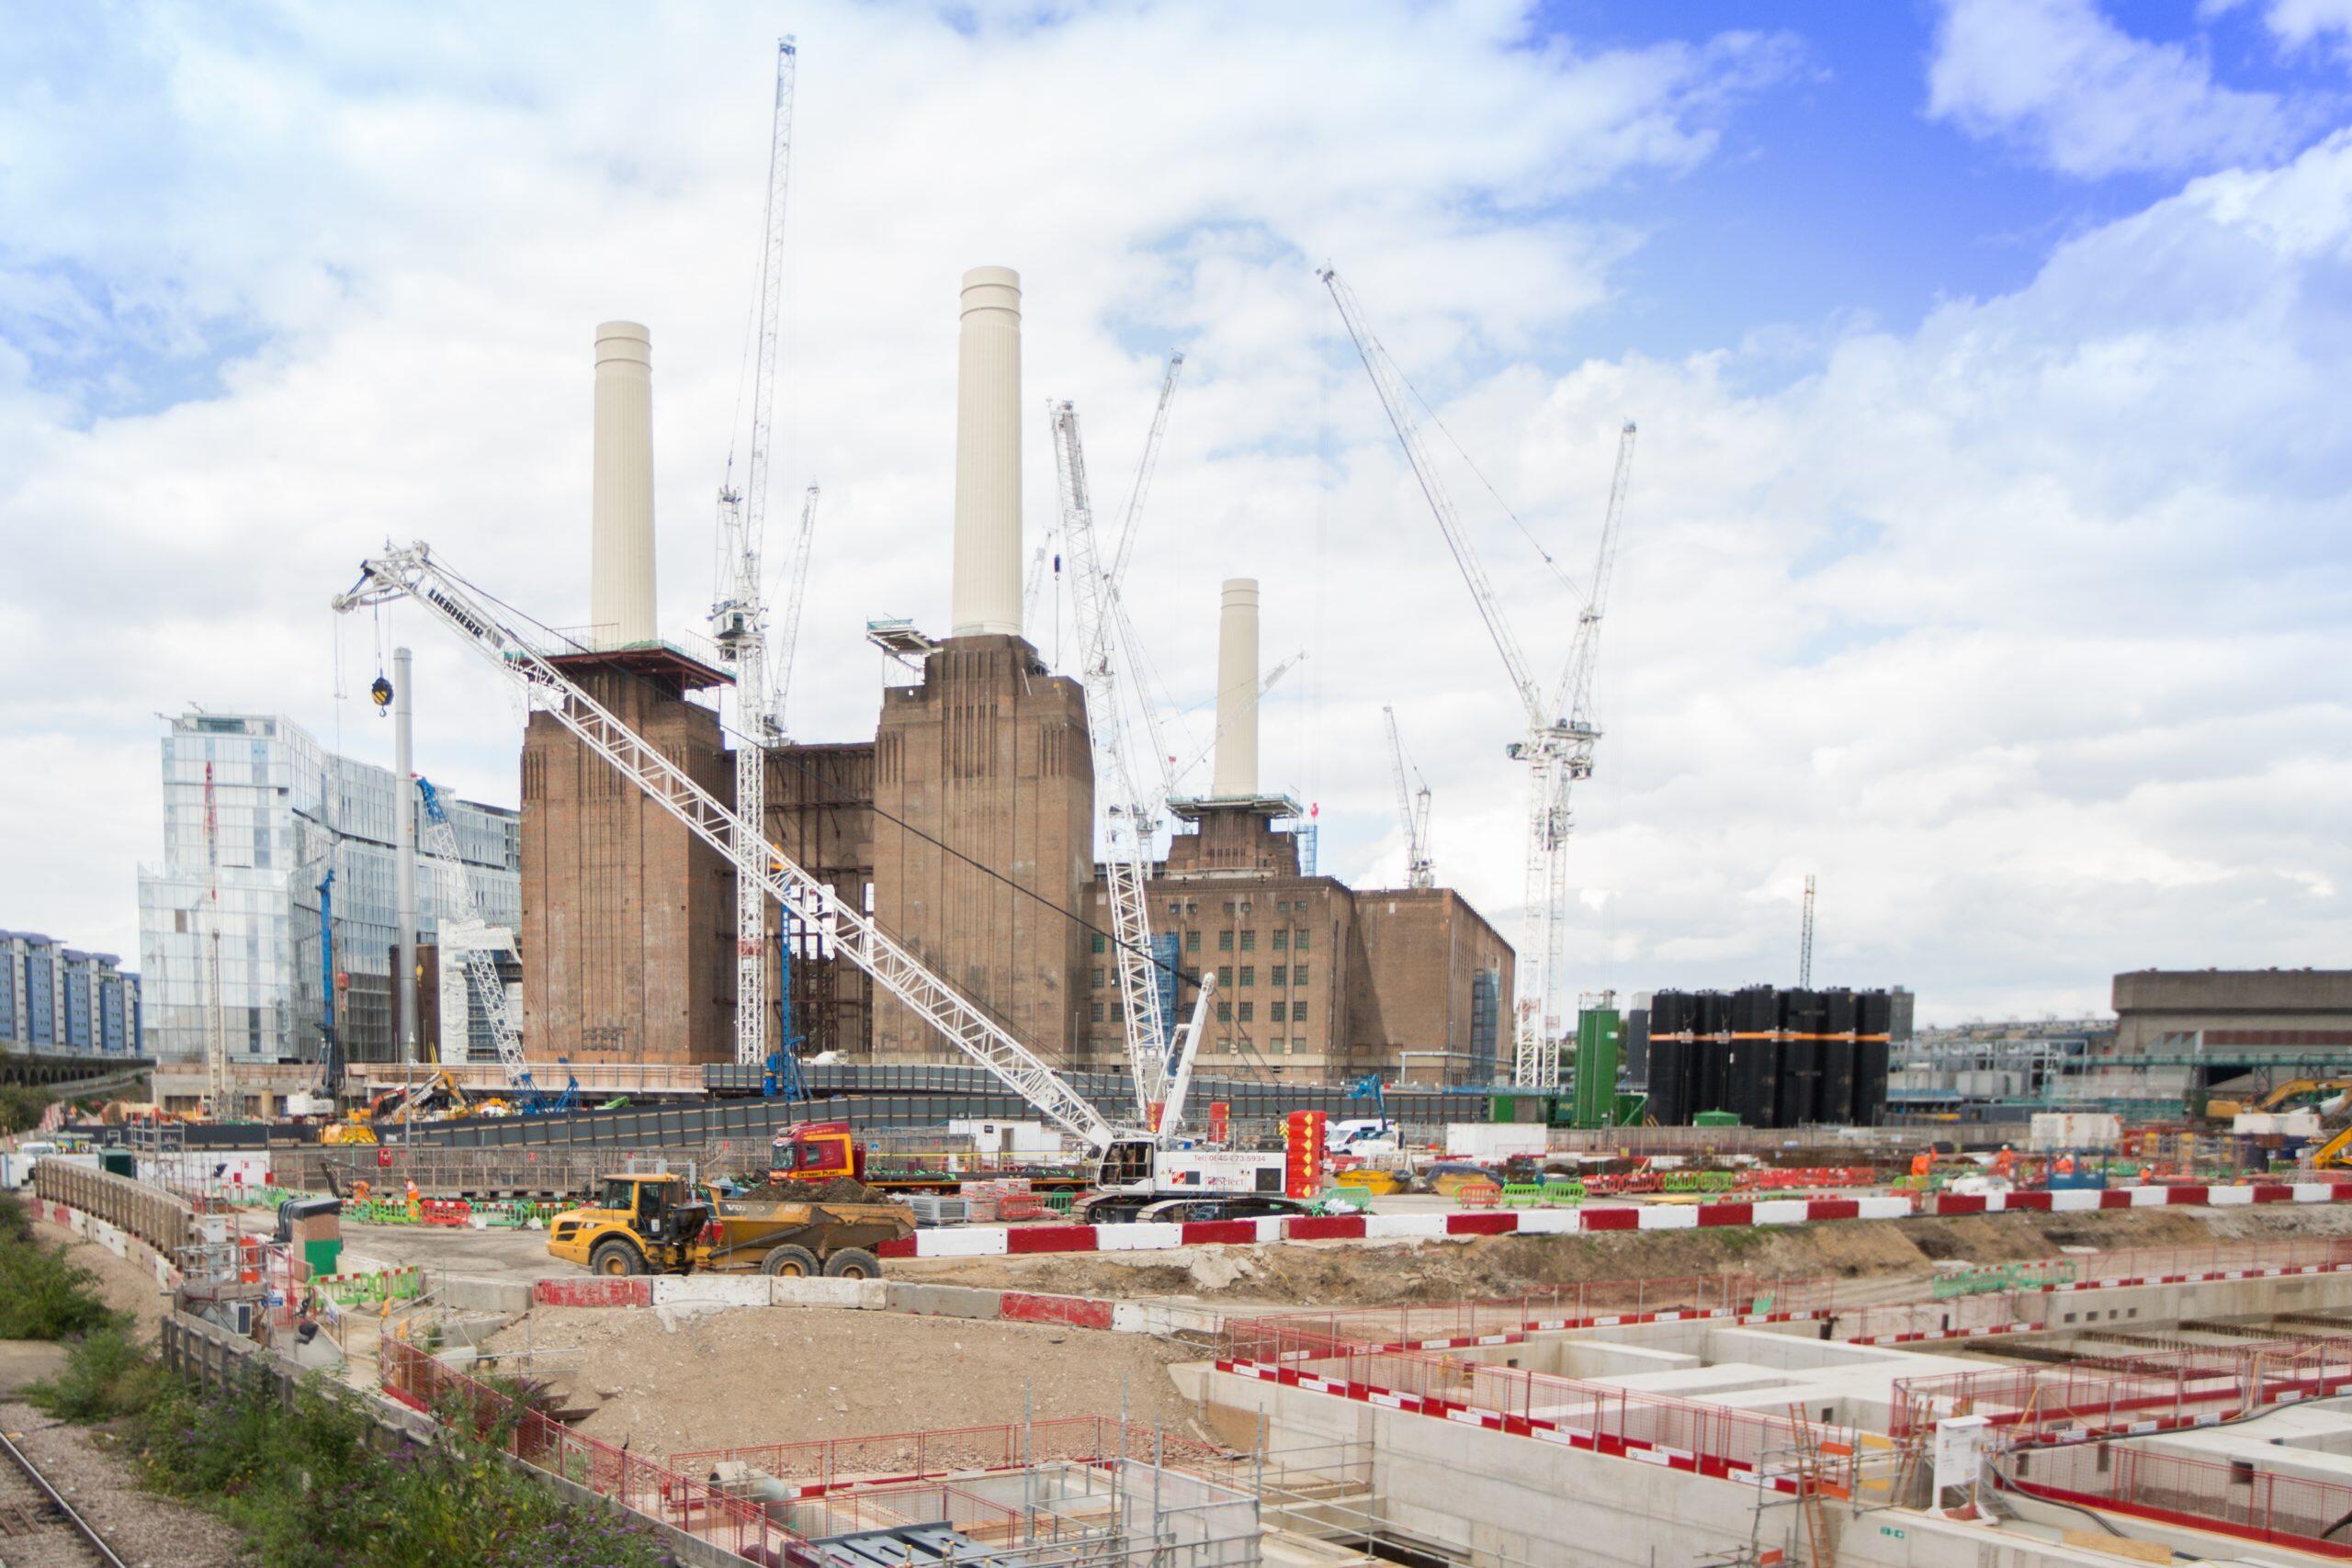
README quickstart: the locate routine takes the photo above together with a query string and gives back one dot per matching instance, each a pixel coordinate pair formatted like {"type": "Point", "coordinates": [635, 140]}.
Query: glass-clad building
{"type": "Point", "coordinates": [256, 814]}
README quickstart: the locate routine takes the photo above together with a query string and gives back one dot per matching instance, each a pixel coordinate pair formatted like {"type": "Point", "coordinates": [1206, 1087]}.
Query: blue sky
{"type": "Point", "coordinates": [1987, 551]}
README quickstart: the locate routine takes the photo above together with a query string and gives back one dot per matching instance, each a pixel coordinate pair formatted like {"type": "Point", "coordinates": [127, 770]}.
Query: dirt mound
{"type": "Point", "coordinates": [839, 1189]}
{"type": "Point", "coordinates": [783, 1374]}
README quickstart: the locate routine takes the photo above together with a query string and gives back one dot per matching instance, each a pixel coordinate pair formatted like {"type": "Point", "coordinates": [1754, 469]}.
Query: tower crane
{"type": "Point", "coordinates": [739, 619]}
{"type": "Point", "coordinates": [1131, 1160]}
{"type": "Point", "coordinates": [481, 968]}
{"type": "Point", "coordinates": [1561, 726]}
{"type": "Point", "coordinates": [1132, 821]}
{"type": "Point", "coordinates": [1413, 807]}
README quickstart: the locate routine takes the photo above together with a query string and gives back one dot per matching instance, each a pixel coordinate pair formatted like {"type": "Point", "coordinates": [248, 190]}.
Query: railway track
{"type": "Point", "coordinates": [39, 1528]}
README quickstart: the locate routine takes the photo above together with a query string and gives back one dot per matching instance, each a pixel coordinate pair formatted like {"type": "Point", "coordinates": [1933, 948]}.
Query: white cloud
{"type": "Point", "coordinates": [2059, 79]}
{"type": "Point", "coordinates": [2021, 628]}
{"type": "Point", "coordinates": [2298, 22]}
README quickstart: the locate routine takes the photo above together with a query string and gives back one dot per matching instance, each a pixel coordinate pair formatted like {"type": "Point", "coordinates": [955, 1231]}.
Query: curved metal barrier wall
{"type": "Point", "coordinates": [160, 1219]}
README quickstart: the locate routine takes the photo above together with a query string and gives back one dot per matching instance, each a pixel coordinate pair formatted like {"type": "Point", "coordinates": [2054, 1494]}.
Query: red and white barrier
{"type": "Point", "coordinates": [992, 1241]}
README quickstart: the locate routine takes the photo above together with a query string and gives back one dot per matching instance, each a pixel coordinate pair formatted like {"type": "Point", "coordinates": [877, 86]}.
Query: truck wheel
{"type": "Point", "coordinates": [616, 1260]}
{"type": "Point", "coordinates": [790, 1262]}
{"type": "Point", "coordinates": [853, 1263]}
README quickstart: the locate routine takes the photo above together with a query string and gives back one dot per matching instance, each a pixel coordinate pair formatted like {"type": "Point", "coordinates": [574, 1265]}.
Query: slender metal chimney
{"type": "Point", "coordinates": [620, 606]}
{"type": "Point", "coordinates": [987, 457]}
{"type": "Point", "coordinates": [1236, 775]}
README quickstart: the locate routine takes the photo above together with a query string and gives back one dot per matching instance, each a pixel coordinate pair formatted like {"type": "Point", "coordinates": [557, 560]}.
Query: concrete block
{"type": "Point", "coordinates": [2314, 1192]}
{"type": "Point", "coordinates": [1163, 1318]}
{"type": "Point", "coordinates": [1781, 1212]}
{"type": "Point", "coordinates": [1550, 1222]}
{"type": "Point", "coordinates": [1078, 1312]}
{"type": "Point", "coordinates": [969, 1240]}
{"type": "Point", "coordinates": [2148, 1197]}
{"type": "Point", "coordinates": [2071, 1200]}
{"type": "Point", "coordinates": [1391, 1225]}
{"type": "Point", "coordinates": [2227, 1197]}
{"type": "Point", "coordinates": [1884, 1207]}
{"type": "Point", "coordinates": [944, 1300]}
{"type": "Point", "coordinates": [715, 1289]}
{"type": "Point", "coordinates": [1669, 1217]}
{"type": "Point", "coordinates": [845, 1294]}
{"type": "Point", "coordinates": [1137, 1238]}
{"type": "Point", "coordinates": [590, 1292]}
{"type": "Point", "coordinates": [487, 1295]}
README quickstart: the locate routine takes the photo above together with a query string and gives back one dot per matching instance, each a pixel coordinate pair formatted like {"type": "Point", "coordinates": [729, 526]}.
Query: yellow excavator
{"type": "Point", "coordinates": [2281, 1097]}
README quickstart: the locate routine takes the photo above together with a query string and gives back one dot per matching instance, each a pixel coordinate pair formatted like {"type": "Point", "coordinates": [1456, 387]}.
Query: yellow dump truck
{"type": "Point", "coordinates": [656, 1223]}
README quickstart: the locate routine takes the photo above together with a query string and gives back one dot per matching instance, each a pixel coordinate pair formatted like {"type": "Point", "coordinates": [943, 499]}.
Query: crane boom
{"type": "Point", "coordinates": [481, 969]}
{"type": "Point", "coordinates": [1558, 745]}
{"type": "Point", "coordinates": [1389, 382]}
{"type": "Point", "coordinates": [796, 589]}
{"type": "Point", "coordinates": [1414, 810]}
{"type": "Point", "coordinates": [412, 573]}
{"type": "Point", "coordinates": [739, 619]}
{"type": "Point", "coordinates": [1130, 821]}
{"type": "Point", "coordinates": [1144, 470]}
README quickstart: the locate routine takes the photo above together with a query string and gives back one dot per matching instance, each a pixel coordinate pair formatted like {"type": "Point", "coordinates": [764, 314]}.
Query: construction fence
{"type": "Point", "coordinates": [161, 1219]}
{"type": "Point", "coordinates": [2124, 1395]}
{"type": "Point", "coordinates": [821, 1464]}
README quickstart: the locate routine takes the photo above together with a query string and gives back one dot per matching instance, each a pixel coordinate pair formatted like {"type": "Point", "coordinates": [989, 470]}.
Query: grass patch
{"type": "Point", "coordinates": [318, 1484]}
{"type": "Point", "coordinates": [106, 1376]}
{"type": "Point", "coordinates": [43, 1296]}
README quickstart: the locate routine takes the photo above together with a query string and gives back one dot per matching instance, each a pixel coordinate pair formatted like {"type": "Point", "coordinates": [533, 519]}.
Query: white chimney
{"type": "Point", "coordinates": [1236, 775]}
{"type": "Point", "coordinates": [987, 457]}
{"type": "Point", "coordinates": [620, 601]}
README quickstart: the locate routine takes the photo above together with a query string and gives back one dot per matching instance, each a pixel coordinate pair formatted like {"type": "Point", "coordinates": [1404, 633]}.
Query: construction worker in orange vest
{"type": "Point", "coordinates": [415, 1204]}
{"type": "Point", "coordinates": [2065, 1164]}
{"type": "Point", "coordinates": [1922, 1162]}
{"type": "Point", "coordinates": [2005, 1164]}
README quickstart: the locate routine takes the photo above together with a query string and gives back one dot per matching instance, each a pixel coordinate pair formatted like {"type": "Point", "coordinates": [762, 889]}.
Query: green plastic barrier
{"type": "Point", "coordinates": [1563, 1194]}
{"type": "Point", "coordinates": [1522, 1195]}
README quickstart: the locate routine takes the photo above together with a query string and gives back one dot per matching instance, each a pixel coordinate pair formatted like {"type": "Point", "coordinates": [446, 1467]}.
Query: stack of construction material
{"type": "Point", "coordinates": [1773, 1058]}
{"type": "Point", "coordinates": [931, 1208]}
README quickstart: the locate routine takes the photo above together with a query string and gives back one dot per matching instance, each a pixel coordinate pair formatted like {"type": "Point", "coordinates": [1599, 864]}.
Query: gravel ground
{"type": "Point", "coordinates": [664, 1381]}
{"type": "Point", "coordinates": [148, 1532]}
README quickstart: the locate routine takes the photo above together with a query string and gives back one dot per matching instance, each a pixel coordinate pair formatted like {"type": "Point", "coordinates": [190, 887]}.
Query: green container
{"type": "Point", "coordinates": [1715, 1119]}
{"type": "Point", "coordinates": [119, 1162]}
{"type": "Point", "coordinates": [1599, 1030]}
{"type": "Point", "coordinates": [323, 1255]}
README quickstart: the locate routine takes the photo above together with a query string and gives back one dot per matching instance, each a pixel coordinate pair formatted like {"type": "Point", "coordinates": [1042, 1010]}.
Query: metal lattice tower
{"type": "Point", "coordinates": [1804, 944]}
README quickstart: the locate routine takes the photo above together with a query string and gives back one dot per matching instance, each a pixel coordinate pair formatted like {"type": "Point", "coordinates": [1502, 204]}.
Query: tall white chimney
{"type": "Point", "coordinates": [620, 601]}
{"type": "Point", "coordinates": [1235, 774]}
{"type": "Point", "coordinates": [987, 457]}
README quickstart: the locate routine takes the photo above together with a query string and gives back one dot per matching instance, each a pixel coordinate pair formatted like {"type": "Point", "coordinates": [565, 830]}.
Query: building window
{"type": "Point", "coordinates": [1299, 1046]}
{"type": "Point", "coordinates": [1298, 939]}
{"type": "Point", "coordinates": [1281, 940]}
{"type": "Point", "coordinates": [1175, 906]}
{"type": "Point", "coordinates": [1273, 1047]}
{"type": "Point", "coordinates": [1228, 905]}
{"type": "Point", "coordinates": [1118, 1011]}
{"type": "Point", "coordinates": [1191, 941]}
{"type": "Point", "coordinates": [1248, 1010]}
{"type": "Point", "coordinates": [1248, 942]}
{"type": "Point", "coordinates": [1098, 977]}
{"type": "Point", "coordinates": [1282, 975]}
{"type": "Point", "coordinates": [1279, 1008]}
{"type": "Point", "coordinates": [1225, 942]}
{"type": "Point", "coordinates": [1298, 974]}
{"type": "Point", "coordinates": [1248, 974]}
{"type": "Point", "coordinates": [1224, 1012]}
{"type": "Point", "coordinates": [1097, 1012]}
{"type": "Point", "coordinates": [1225, 976]}
{"type": "Point", "coordinates": [1226, 1046]}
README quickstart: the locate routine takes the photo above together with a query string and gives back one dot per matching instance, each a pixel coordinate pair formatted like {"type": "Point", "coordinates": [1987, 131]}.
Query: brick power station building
{"type": "Point", "coordinates": [965, 826]}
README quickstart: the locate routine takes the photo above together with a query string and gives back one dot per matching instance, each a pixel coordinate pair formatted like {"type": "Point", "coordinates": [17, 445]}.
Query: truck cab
{"type": "Point", "coordinates": [816, 1152]}
{"type": "Point", "coordinates": [639, 1223]}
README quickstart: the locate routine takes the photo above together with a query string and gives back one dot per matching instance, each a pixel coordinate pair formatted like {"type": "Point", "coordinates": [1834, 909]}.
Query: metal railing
{"type": "Point", "coordinates": [2298, 1511]}
{"type": "Point", "coordinates": [161, 1219]}
{"type": "Point", "coordinates": [2122, 1394]}
{"type": "Point", "coordinates": [821, 1464]}
{"type": "Point", "coordinates": [1292, 1336]}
